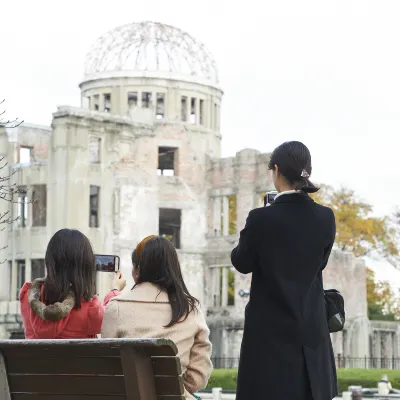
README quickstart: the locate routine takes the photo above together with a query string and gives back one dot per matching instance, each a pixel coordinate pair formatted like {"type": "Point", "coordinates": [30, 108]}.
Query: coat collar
{"type": "Point", "coordinates": [51, 312]}
{"type": "Point", "coordinates": [145, 292]}
{"type": "Point", "coordinates": [293, 198]}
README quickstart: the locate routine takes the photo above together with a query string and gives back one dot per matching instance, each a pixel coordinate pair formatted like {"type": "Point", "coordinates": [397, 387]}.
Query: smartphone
{"type": "Point", "coordinates": [269, 198]}
{"type": "Point", "coordinates": [107, 263]}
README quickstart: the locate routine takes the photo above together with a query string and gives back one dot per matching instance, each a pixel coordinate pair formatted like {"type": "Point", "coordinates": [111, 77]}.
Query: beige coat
{"type": "Point", "coordinates": [143, 312]}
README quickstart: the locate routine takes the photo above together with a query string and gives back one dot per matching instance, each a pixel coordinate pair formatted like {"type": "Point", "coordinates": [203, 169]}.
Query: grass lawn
{"type": "Point", "coordinates": [367, 378]}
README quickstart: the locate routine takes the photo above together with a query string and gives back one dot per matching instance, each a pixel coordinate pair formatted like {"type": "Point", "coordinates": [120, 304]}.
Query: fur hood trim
{"type": "Point", "coordinates": [52, 312]}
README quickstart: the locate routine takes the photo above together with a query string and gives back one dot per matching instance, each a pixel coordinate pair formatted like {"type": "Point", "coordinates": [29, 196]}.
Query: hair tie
{"type": "Point", "coordinates": [305, 174]}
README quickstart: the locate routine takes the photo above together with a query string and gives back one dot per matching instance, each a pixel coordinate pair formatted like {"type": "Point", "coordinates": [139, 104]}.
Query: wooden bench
{"type": "Point", "coordinates": [91, 369]}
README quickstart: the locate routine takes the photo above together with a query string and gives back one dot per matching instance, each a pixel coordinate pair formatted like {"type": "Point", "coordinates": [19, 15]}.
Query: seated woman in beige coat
{"type": "Point", "coordinates": [160, 306]}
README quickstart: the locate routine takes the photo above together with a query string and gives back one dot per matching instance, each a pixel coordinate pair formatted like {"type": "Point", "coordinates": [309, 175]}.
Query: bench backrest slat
{"type": "Point", "coordinates": [106, 369]}
{"type": "Point", "coordinates": [4, 387]}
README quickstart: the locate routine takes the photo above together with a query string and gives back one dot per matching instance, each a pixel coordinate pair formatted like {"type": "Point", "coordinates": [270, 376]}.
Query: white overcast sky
{"type": "Point", "coordinates": [323, 72]}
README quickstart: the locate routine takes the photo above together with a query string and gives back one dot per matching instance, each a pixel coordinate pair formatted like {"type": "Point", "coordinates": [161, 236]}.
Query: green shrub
{"type": "Point", "coordinates": [367, 378]}
{"type": "Point", "coordinates": [223, 378]}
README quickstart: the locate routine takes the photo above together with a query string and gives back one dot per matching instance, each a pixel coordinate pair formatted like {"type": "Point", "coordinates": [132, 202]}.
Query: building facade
{"type": "Point", "coordinates": [141, 156]}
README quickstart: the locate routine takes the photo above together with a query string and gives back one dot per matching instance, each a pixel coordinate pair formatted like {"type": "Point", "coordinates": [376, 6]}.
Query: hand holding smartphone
{"type": "Point", "coordinates": [269, 198]}
{"type": "Point", "coordinates": [118, 282]}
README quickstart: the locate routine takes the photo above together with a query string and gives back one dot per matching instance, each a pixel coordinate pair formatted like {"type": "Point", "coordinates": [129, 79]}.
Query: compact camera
{"type": "Point", "coordinates": [107, 263]}
{"type": "Point", "coordinates": [269, 198]}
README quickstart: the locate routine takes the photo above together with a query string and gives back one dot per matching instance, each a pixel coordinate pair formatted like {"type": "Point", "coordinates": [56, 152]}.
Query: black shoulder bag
{"type": "Point", "coordinates": [334, 304]}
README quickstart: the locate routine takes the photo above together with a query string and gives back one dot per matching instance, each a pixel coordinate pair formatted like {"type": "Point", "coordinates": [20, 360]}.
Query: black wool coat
{"type": "Point", "coordinates": [286, 350]}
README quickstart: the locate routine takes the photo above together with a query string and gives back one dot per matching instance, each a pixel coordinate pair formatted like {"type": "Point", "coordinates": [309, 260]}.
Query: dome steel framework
{"type": "Point", "coordinates": [151, 46]}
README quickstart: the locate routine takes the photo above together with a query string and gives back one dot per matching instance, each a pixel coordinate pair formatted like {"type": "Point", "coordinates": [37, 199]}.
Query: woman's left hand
{"type": "Point", "coordinates": [118, 282]}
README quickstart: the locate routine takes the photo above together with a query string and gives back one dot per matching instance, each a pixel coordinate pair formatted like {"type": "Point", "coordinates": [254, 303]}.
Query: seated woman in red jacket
{"type": "Point", "coordinates": [63, 305]}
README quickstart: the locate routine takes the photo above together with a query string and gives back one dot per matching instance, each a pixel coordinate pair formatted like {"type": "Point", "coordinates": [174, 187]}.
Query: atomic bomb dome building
{"type": "Point", "coordinates": [141, 156]}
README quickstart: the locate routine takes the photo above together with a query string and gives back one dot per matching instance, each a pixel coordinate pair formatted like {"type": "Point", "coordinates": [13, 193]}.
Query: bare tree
{"type": "Point", "coordinates": [6, 123]}
{"type": "Point", "coordinates": [8, 190]}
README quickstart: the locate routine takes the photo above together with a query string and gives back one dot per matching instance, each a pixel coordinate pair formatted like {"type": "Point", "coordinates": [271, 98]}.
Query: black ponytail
{"type": "Point", "coordinates": [294, 162]}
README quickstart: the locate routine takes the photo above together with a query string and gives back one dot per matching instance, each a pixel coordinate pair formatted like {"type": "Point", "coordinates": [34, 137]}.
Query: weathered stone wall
{"type": "Point", "coordinates": [347, 274]}
{"type": "Point", "coordinates": [28, 135]}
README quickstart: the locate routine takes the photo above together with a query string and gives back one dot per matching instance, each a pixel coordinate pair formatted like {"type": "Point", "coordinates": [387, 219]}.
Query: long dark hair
{"type": "Point", "coordinates": [159, 264]}
{"type": "Point", "coordinates": [70, 265]}
{"type": "Point", "coordinates": [294, 162]}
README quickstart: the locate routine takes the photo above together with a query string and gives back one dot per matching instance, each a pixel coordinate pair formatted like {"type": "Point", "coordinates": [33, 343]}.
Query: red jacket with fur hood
{"type": "Point", "coordinates": [60, 320]}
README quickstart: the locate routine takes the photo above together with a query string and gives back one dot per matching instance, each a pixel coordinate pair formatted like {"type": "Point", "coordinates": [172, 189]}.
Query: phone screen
{"type": "Point", "coordinates": [269, 198]}
{"type": "Point", "coordinates": [106, 263]}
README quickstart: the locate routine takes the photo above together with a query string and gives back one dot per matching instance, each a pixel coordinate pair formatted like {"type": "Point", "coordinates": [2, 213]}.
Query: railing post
{"type": "Point", "coordinates": [356, 392]}
{"type": "Point", "coordinates": [217, 394]}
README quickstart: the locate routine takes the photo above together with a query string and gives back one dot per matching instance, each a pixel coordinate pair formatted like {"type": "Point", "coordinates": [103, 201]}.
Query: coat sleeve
{"type": "Point", "coordinates": [110, 295]}
{"type": "Point", "coordinates": [244, 255]}
{"type": "Point", "coordinates": [109, 329]}
{"type": "Point", "coordinates": [328, 249]}
{"type": "Point", "coordinates": [200, 366]}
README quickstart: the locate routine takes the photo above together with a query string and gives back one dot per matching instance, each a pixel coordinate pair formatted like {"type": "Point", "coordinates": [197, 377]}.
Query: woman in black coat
{"type": "Point", "coordinates": [286, 350]}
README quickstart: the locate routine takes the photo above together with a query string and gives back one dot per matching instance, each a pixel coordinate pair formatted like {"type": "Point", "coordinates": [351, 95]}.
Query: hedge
{"type": "Point", "coordinates": [367, 378]}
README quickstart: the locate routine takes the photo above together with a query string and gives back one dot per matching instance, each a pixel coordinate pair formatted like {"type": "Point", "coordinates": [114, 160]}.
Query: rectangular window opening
{"type": "Point", "coordinates": [160, 109]}
{"type": "Point", "coordinates": [94, 149]}
{"type": "Point", "coordinates": [201, 111]}
{"type": "Point", "coordinates": [146, 99]}
{"type": "Point", "coordinates": [230, 288]}
{"type": "Point", "coordinates": [39, 205]}
{"type": "Point", "coordinates": [132, 99]}
{"type": "Point", "coordinates": [20, 275]}
{"type": "Point", "coordinates": [193, 116]}
{"type": "Point", "coordinates": [167, 157]}
{"type": "Point", "coordinates": [169, 225]}
{"type": "Point", "coordinates": [232, 215]}
{"type": "Point", "coordinates": [25, 155]}
{"type": "Point", "coordinates": [107, 102]}
{"type": "Point", "coordinates": [96, 102]}
{"type": "Point", "coordinates": [94, 206]}
{"type": "Point", "coordinates": [22, 207]}
{"type": "Point", "coordinates": [184, 101]}
{"type": "Point", "coordinates": [38, 269]}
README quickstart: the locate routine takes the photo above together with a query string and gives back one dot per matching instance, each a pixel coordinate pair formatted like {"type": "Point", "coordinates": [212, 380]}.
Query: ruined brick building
{"type": "Point", "coordinates": [142, 155]}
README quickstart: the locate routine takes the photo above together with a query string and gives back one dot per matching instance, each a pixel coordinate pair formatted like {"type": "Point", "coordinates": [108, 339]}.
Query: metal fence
{"type": "Point", "coordinates": [341, 362]}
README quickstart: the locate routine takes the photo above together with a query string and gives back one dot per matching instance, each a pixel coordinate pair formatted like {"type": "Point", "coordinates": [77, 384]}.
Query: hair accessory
{"type": "Point", "coordinates": [305, 174]}
{"type": "Point", "coordinates": [140, 246]}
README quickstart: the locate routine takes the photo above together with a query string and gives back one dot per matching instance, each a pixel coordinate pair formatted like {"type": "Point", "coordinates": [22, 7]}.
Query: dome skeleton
{"type": "Point", "coordinates": [151, 46]}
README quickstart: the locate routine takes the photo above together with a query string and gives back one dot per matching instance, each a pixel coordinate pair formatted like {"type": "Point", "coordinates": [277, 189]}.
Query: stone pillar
{"type": "Point", "coordinates": [245, 165]}
{"type": "Point", "coordinates": [224, 301]}
{"type": "Point", "coordinates": [14, 279]}
{"type": "Point", "coordinates": [377, 348]}
{"type": "Point", "coordinates": [217, 216]}
{"type": "Point", "coordinates": [28, 265]}
{"type": "Point", "coordinates": [4, 208]}
{"type": "Point", "coordinates": [28, 269]}
{"type": "Point", "coordinates": [188, 108]}
{"type": "Point", "coordinates": [101, 102]}
{"type": "Point", "coordinates": [225, 213]}
{"type": "Point", "coordinates": [211, 113]}
{"type": "Point", "coordinates": [217, 117]}
{"type": "Point", "coordinates": [216, 281]}
{"type": "Point", "coordinates": [388, 350]}
{"type": "Point", "coordinates": [360, 341]}
{"type": "Point", "coordinates": [396, 348]}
